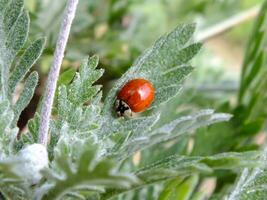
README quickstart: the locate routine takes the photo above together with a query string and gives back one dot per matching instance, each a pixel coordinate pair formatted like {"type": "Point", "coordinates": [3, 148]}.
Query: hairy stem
{"type": "Point", "coordinates": [54, 71]}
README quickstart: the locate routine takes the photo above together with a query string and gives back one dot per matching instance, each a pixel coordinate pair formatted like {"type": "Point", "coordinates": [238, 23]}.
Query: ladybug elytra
{"type": "Point", "coordinates": [135, 96]}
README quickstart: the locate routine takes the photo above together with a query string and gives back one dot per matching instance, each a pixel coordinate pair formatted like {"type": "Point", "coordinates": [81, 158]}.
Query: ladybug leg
{"type": "Point", "coordinates": [122, 109]}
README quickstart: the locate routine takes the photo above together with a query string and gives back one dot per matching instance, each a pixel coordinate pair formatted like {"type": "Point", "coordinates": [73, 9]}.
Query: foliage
{"type": "Point", "coordinates": [13, 35]}
{"type": "Point", "coordinates": [251, 184]}
{"type": "Point", "coordinates": [253, 81]}
{"type": "Point", "coordinates": [92, 152]}
{"type": "Point", "coordinates": [118, 31]}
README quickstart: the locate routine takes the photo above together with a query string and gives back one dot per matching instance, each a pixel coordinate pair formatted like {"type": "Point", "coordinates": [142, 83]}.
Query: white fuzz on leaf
{"type": "Point", "coordinates": [33, 159]}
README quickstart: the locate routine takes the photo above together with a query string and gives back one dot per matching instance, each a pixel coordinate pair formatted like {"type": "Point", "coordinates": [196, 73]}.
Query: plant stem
{"type": "Point", "coordinates": [46, 110]}
{"type": "Point", "coordinates": [228, 24]}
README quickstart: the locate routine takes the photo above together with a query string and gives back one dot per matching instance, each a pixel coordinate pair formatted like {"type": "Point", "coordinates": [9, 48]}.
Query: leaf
{"type": "Point", "coordinates": [26, 95]}
{"type": "Point", "coordinates": [89, 173]}
{"type": "Point", "coordinates": [8, 135]}
{"type": "Point", "coordinates": [73, 137]}
{"type": "Point", "coordinates": [29, 57]}
{"type": "Point", "coordinates": [11, 185]}
{"type": "Point", "coordinates": [253, 77]}
{"type": "Point", "coordinates": [18, 33]}
{"type": "Point", "coordinates": [176, 189]}
{"type": "Point", "coordinates": [81, 89]}
{"type": "Point", "coordinates": [251, 183]}
{"type": "Point", "coordinates": [166, 66]}
{"type": "Point", "coordinates": [171, 131]}
{"type": "Point", "coordinates": [166, 62]}
{"type": "Point", "coordinates": [183, 166]}
{"type": "Point", "coordinates": [9, 15]}
{"type": "Point", "coordinates": [14, 27]}
{"type": "Point", "coordinates": [5, 116]}
{"type": "Point", "coordinates": [73, 107]}
{"type": "Point", "coordinates": [66, 77]}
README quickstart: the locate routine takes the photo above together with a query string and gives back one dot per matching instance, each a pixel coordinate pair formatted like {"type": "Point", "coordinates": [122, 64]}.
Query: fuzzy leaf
{"type": "Point", "coordinates": [81, 90]}
{"type": "Point", "coordinates": [171, 130]}
{"type": "Point", "coordinates": [14, 27]}
{"type": "Point", "coordinates": [11, 13]}
{"type": "Point", "coordinates": [252, 183]}
{"type": "Point", "coordinates": [26, 95]}
{"type": "Point", "coordinates": [71, 100]}
{"type": "Point", "coordinates": [12, 186]}
{"type": "Point", "coordinates": [165, 65]}
{"type": "Point", "coordinates": [29, 57]}
{"type": "Point", "coordinates": [180, 164]}
{"type": "Point", "coordinates": [7, 135]}
{"type": "Point", "coordinates": [89, 173]}
{"type": "Point", "coordinates": [183, 166]}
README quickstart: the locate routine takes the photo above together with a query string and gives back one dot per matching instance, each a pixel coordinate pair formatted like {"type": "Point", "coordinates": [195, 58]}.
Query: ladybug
{"type": "Point", "coordinates": [135, 96]}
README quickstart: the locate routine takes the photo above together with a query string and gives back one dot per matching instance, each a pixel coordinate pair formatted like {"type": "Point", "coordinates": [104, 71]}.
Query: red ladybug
{"type": "Point", "coordinates": [135, 96]}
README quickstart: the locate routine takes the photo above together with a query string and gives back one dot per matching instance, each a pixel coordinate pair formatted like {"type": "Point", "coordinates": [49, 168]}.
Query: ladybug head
{"type": "Point", "coordinates": [122, 109]}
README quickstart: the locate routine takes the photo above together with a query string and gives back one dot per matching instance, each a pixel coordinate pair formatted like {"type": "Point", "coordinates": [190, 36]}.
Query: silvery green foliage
{"type": "Point", "coordinates": [88, 142]}
{"type": "Point", "coordinates": [176, 128]}
{"type": "Point", "coordinates": [11, 184]}
{"type": "Point", "coordinates": [83, 120]}
{"type": "Point", "coordinates": [166, 65]}
{"type": "Point", "coordinates": [81, 125]}
{"type": "Point", "coordinates": [14, 26]}
{"type": "Point", "coordinates": [78, 171]}
{"type": "Point", "coordinates": [78, 168]}
{"type": "Point", "coordinates": [185, 165]}
{"type": "Point", "coordinates": [252, 183]}
{"type": "Point", "coordinates": [178, 166]}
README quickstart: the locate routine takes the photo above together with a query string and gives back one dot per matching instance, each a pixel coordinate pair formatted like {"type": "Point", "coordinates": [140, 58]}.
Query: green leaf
{"type": "Point", "coordinates": [77, 107]}
{"type": "Point", "coordinates": [176, 189]}
{"type": "Point", "coordinates": [184, 166]}
{"type": "Point", "coordinates": [26, 95]}
{"type": "Point", "coordinates": [78, 104]}
{"type": "Point", "coordinates": [32, 136]}
{"type": "Point", "coordinates": [11, 185]}
{"type": "Point", "coordinates": [3, 4]}
{"type": "Point", "coordinates": [9, 16]}
{"type": "Point", "coordinates": [251, 183]}
{"type": "Point", "coordinates": [88, 174]}
{"type": "Point", "coordinates": [165, 65]}
{"type": "Point", "coordinates": [170, 188]}
{"type": "Point", "coordinates": [8, 135]}
{"type": "Point", "coordinates": [6, 115]}
{"type": "Point", "coordinates": [253, 77]}
{"type": "Point", "coordinates": [172, 130]}
{"type": "Point", "coordinates": [66, 77]}
{"type": "Point", "coordinates": [15, 62]}
{"type": "Point", "coordinates": [27, 60]}
{"type": "Point", "coordinates": [18, 34]}
{"type": "Point", "coordinates": [81, 90]}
